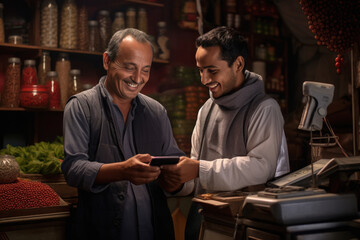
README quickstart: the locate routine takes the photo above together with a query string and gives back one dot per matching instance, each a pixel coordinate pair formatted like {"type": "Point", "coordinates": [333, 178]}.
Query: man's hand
{"type": "Point", "coordinates": [173, 176]}
{"type": "Point", "coordinates": [136, 169]}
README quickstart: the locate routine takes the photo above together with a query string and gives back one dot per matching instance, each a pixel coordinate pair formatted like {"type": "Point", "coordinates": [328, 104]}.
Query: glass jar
{"type": "Point", "coordinates": [83, 28]}
{"type": "Point", "coordinates": [74, 84]}
{"type": "Point", "coordinates": [131, 18]}
{"type": "Point", "coordinates": [2, 32]}
{"type": "Point", "coordinates": [34, 96]}
{"type": "Point", "coordinates": [69, 26]}
{"type": "Point", "coordinates": [11, 92]}
{"type": "Point", "coordinates": [52, 83]}
{"type": "Point", "coordinates": [49, 23]}
{"type": "Point", "coordinates": [44, 67]}
{"type": "Point", "coordinates": [163, 41]}
{"type": "Point", "coordinates": [29, 73]}
{"type": "Point", "coordinates": [142, 20]}
{"type": "Point", "coordinates": [94, 36]}
{"type": "Point", "coordinates": [15, 39]}
{"type": "Point", "coordinates": [63, 67]}
{"type": "Point", "coordinates": [104, 28]}
{"type": "Point", "coordinates": [118, 23]}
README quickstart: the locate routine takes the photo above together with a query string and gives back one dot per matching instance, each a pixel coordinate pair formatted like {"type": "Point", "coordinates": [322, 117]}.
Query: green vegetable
{"type": "Point", "coordinates": [40, 158]}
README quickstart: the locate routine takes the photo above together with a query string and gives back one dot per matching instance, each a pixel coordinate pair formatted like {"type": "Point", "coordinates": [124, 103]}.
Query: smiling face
{"type": "Point", "coordinates": [130, 71]}
{"type": "Point", "coordinates": [215, 72]}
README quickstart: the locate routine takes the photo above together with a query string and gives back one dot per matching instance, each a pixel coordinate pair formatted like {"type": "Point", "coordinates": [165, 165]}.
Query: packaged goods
{"type": "Point", "coordinates": [49, 23]}
{"type": "Point", "coordinates": [11, 92]}
{"type": "Point", "coordinates": [63, 69]}
{"type": "Point", "coordinates": [69, 26]}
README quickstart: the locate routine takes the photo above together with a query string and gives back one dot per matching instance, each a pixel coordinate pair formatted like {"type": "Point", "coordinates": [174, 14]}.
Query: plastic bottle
{"type": "Point", "coordinates": [49, 23]}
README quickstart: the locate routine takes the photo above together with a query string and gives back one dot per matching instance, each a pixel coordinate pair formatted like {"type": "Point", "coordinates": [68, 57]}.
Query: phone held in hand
{"type": "Point", "coordinates": [164, 160]}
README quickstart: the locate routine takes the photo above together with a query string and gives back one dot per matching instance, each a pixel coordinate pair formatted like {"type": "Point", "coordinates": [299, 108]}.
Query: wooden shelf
{"type": "Point", "coordinates": [9, 47]}
{"type": "Point", "coordinates": [19, 109]}
{"type": "Point", "coordinates": [146, 3]}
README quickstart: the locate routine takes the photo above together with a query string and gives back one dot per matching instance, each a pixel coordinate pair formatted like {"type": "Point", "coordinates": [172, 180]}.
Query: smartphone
{"type": "Point", "coordinates": [164, 160]}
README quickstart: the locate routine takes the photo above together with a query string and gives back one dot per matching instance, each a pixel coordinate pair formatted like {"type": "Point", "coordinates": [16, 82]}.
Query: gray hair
{"type": "Point", "coordinates": [117, 38]}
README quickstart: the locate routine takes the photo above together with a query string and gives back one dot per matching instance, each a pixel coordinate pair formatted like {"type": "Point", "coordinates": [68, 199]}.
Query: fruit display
{"type": "Point", "coordinates": [335, 24]}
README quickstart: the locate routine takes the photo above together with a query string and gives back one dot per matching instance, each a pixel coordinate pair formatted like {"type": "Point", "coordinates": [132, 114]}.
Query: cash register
{"type": "Point", "coordinates": [292, 206]}
{"type": "Point", "coordinates": [295, 206]}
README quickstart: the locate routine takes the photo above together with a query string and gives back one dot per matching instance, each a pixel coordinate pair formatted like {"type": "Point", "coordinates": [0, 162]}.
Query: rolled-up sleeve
{"type": "Point", "coordinates": [78, 170]}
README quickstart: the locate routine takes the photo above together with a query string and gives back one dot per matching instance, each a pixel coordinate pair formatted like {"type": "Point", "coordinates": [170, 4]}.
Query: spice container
{"type": "Point", "coordinates": [69, 28]}
{"type": "Point", "coordinates": [118, 23]}
{"type": "Point", "coordinates": [74, 84]}
{"type": "Point", "coordinates": [29, 74]}
{"type": "Point", "coordinates": [94, 36]}
{"type": "Point", "coordinates": [49, 23]}
{"type": "Point", "coordinates": [163, 41]}
{"type": "Point", "coordinates": [131, 18]}
{"type": "Point", "coordinates": [34, 96]}
{"type": "Point", "coordinates": [142, 20]}
{"type": "Point", "coordinates": [2, 32]}
{"type": "Point", "coordinates": [104, 28]}
{"type": "Point", "coordinates": [52, 83]}
{"type": "Point", "coordinates": [83, 29]}
{"type": "Point", "coordinates": [63, 67]}
{"type": "Point", "coordinates": [15, 39]}
{"type": "Point", "coordinates": [11, 91]}
{"type": "Point", "coordinates": [44, 67]}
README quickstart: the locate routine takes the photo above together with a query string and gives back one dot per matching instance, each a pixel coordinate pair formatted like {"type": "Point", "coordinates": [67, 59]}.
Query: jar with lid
{"type": "Point", "coordinates": [118, 23]}
{"type": "Point", "coordinates": [52, 83]}
{"type": "Point", "coordinates": [131, 18]}
{"type": "Point", "coordinates": [34, 96]}
{"type": "Point", "coordinates": [69, 26]}
{"type": "Point", "coordinates": [142, 20]}
{"type": "Point", "coordinates": [2, 32]}
{"type": "Point", "coordinates": [44, 67]}
{"type": "Point", "coordinates": [261, 52]}
{"type": "Point", "coordinates": [74, 84]}
{"type": "Point", "coordinates": [49, 23]}
{"type": "Point", "coordinates": [94, 36]}
{"type": "Point", "coordinates": [104, 28]}
{"type": "Point", "coordinates": [63, 67]}
{"type": "Point", "coordinates": [29, 73]}
{"type": "Point", "coordinates": [83, 28]}
{"type": "Point", "coordinates": [11, 92]}
{"type": "Point", "coordinates": [163, 41]}
{"type": "Point", "coordinates": [15, 39]}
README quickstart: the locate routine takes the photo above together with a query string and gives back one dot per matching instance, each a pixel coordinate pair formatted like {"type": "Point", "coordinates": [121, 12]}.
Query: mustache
{"type": "Point", "coordinates": [131, 81]}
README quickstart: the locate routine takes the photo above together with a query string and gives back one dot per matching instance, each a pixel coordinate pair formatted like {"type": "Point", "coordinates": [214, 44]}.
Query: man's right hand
{"type": "Point", "coordinates": [136, 169]}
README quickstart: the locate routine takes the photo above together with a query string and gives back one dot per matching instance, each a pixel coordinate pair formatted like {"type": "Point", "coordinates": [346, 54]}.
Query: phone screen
{"type": "Point", "coordinates": [164, 160]}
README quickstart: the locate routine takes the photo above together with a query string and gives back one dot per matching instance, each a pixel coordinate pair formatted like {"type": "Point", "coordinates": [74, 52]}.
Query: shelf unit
{"type": "Point", "coordinates": [28, 126]}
